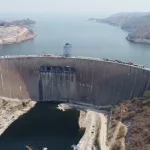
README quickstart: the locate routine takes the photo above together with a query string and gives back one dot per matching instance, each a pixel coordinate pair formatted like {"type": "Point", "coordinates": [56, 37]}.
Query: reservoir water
{"type": "Point", "coordinates": [88, 38]}
{"type": "Point", "coordinates": [43, 126]}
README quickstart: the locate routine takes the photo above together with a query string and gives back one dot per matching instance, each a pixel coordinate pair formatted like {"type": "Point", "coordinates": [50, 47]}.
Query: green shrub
{"type": "Point", "coordinates": [135, 99]}
{"type": "Point", "coordinates": [145, 108]}
{"type": "Point", "coordinates": [147, 94]}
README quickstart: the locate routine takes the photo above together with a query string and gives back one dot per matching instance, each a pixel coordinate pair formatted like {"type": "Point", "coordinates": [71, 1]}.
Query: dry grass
{"type": "Point", "coordinates": [138, 113]}
{"type": "Point", "coordinates": [112, 130]}
{"type": "Point", "coordinates": [122, 132]}
{"type": "Point", "coordinates": [116, 146]}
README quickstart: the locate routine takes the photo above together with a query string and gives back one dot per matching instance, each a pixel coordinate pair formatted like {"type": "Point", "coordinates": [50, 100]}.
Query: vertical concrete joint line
{"type": "Point", "coordinates": [9, 81]}
{"type": "Point", "coordinates": [140, 85]}
{"type": "Point", "coordinates": [20, 88]}
{"type": "Point", "coordinates": [133, 85]}
{"type": "Point", "coordinates": [92, 79]}
{"type": "Point", "coordinates": [2, 82]}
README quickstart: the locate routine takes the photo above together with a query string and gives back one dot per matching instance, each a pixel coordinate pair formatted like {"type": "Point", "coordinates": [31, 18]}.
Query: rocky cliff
{"type": "Point", "coordinates": [135, 114]}
{"type": "Point", "coordinates": [137, 24]}
{"type": "Point", "coordinates": [11, 110]}
{"type": "Point", "coordinates": [15, 34]}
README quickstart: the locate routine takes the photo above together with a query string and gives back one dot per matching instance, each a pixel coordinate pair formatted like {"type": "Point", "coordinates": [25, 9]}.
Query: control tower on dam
{"type": "Point", "coordinates": [74, 80]}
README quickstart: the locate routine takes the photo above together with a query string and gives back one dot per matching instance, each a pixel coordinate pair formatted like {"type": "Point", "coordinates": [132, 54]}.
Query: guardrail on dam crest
{"type": "Point", "coordinates": [76, 80]}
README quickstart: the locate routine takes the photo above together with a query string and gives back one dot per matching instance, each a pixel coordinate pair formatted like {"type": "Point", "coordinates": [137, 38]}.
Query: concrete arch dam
{"type": "Point", "coordinates": [75, 80]}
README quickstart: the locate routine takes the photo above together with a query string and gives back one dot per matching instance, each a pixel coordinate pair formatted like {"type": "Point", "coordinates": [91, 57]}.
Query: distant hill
{"type": "Point", "coordinates": [23, 22]}
{"type": "Point", "coordinates": [140, 35]}
{"type": "Point", "coordinates": [136, 23]}
{"type": "Point", "coordinates": [131, 14]}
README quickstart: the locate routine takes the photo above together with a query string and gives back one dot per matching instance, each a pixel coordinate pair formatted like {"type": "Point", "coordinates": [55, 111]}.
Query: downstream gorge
{"type": "Point", "coordinates": [98, 92]}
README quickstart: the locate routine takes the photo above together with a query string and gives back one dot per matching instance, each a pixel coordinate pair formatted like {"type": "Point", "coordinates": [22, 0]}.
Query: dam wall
{"type": "Point", "coordinates": [93, 82]}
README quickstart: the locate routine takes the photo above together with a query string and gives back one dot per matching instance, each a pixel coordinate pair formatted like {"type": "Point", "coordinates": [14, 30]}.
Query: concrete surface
{"type": "Point", "coordinates": [95, 82]}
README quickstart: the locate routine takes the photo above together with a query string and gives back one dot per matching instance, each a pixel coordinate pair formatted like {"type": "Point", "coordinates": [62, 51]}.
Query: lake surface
{"type": "Point", "coordinates": [43, 126]}
{"type": "Point", "coordinates": [88, 39]}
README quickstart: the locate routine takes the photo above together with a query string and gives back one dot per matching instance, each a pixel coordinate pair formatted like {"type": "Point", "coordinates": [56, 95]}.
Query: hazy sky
{"type": "Point", "coordinates": [74, 6]}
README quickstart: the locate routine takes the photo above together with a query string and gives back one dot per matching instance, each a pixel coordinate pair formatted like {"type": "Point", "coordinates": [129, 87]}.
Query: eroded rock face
{"type": "Point", "coordinates": [11, 111]}
{"type": "Point", "coordinates": [135, 114]}
{"type": "Point", "coordinates": [95, 136]}
{"type": "Point", "coordinates": [83, 118]}
{"type": "Point", "coordinates": [15, 34]}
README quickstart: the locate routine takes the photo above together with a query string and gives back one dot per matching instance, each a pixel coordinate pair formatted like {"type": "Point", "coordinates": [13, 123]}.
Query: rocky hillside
{"type": "Point", "coordinates": [135, 114]}
{"type": "Point", "coordinates": [128, 125]}
{"type": "Point", "coordinates": [137, 24]}
{"type": "Point", "coordinates": [140, 35]}
{"type": "Point", "coordinates": [15, 34]}
{"type": "Point", "coordinates": [11, 110]}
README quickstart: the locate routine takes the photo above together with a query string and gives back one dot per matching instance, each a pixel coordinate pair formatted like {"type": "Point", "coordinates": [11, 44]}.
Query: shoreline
{"type": "Point", "coordinates": [128, 38]}
{"type": "Point", "coordinates": [99, 133]}
{"type": "Point", "coordinates": [15, 34]}
{"type": "Point", "coordinates": [10, 111]}
{"type": "Point", "coordinates": [95, 125]}
{"type": "Point", "coordinates": [137, 40]}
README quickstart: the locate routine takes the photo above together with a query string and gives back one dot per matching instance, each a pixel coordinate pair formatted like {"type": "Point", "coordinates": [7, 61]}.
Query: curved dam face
{"type": "Point", "coordinates": [75, 80]}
